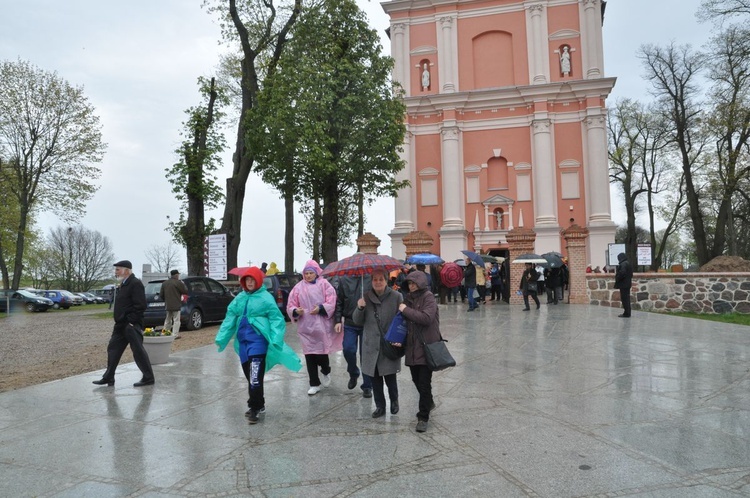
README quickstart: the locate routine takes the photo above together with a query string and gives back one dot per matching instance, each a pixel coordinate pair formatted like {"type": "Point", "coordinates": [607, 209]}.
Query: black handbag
{"type": "Point", "coordinates": [437, 355]}
{"type": "Point", "coordinates": [531, 287]}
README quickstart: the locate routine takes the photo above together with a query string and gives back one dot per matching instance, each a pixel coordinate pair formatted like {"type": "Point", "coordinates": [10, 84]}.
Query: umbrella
{"type": "Point", "coordinates": [555, 253]}
{"type": "Point", "coordinates": [553, 259]}
{"type": "Point", "coordinates": [487, 258]}
{"type": "Point", "coordinates": [361, 264]}
{"type": "Point", "coordinates": [460, 262]}
{"type": "Point", "coordinates": [530, 258]}
{"type": "Point", "coordinates": [424, 258]}
{"type": "Point", "coordinates": [451, 275]}
{"type": "Point", "coordinates": [239, 271]}
{"type": "Point", "coordinates": [474, 257]}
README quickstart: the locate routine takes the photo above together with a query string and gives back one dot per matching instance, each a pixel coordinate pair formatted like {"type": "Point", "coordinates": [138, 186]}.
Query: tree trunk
{"type": "Point", "coordinates": [288, 231]}
{"type": "Point", "coordinates": [330, 229]}
{"type": "Point", "coordinates": [316, 230]}
{"type": "Point", "coordinates": [20, 241]}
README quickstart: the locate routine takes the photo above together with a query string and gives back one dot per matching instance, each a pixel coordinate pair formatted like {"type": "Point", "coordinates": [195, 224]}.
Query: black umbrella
{"type": "Point", "coordinates": [553, 259]}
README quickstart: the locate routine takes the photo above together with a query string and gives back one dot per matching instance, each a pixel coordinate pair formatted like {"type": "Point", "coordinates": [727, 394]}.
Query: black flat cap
{"type": "Point", "coordinates": [124, 264]}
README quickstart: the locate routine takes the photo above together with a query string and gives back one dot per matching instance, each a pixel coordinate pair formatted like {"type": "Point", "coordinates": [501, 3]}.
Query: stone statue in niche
{"type": "Point", "coordinates": [565, 61]}
{"type": "Point", "coordinates": [499, 216]}
{"type": "Point", "coordinates": [425, 77]}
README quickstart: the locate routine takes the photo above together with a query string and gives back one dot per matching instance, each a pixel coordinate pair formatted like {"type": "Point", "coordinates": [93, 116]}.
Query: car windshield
{"type": "Point", "coordinates": [26, 293]}
{"type": "Point", "coordinates": [153, 287]}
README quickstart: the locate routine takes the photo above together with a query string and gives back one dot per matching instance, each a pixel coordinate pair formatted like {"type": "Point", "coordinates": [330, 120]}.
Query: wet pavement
{"type": "Point", "coordinates": [565, 401]}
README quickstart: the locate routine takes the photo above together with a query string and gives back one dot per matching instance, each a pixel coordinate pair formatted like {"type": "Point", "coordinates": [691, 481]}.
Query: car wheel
{"type": "Point", "coordinates": [195, 321]}
{"type": "Point", "coordinates": [30, 307]}
{"type": "Point", "coordinates": [56, 306]}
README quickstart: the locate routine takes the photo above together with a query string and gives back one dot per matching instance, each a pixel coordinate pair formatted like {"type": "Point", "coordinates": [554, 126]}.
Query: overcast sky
{"type": "Point", "coordinates": [138, 62]}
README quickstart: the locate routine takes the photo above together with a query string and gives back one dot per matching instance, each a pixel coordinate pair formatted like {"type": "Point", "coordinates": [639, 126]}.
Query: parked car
{"type": "Point", "coordinates": [23, 299]}
{"type": "Point", "coordinates": [207, 301]}
{"type": "Point", "coordinates": [74, 298]}
{"type": "Point", "coordinates": [59, 299]}
{"type": "Point", "coordinates": [89, 298]}
{"type": "Point", "coordinates": [279, 286]}
{"type": "Point", "coordinates": [105, 293]}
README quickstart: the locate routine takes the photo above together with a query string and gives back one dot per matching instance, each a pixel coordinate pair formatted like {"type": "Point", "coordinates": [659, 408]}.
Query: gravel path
{"type": "Point", "coordinates": [40, 347]}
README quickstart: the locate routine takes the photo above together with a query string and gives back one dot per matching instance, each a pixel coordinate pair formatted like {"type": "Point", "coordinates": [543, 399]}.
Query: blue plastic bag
{"type": "Point", "coordinates": [397, 330]}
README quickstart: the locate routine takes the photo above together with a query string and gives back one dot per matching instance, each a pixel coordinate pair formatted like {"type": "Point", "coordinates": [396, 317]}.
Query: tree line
{"type": "Point", "coordinates": [683, 156]}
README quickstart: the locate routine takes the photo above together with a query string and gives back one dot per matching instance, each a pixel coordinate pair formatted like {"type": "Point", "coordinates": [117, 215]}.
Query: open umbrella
{"type": "Point", "coordinates": [474, 257]}
{"type": "Point", "coordinates": [424, 258]}
{"type": "Point", "coordinates": [553, 259]}
{"type": "Point", "coordinates": [451, 275]}
{"type": "Point", "coordinates": [487, 258]}
{"type": "Point", "coordinates": [360, 264]}
{"type": "Point", "coordinates": [239, 271]}
{"type": "Point", "coordinates": [530, 258]}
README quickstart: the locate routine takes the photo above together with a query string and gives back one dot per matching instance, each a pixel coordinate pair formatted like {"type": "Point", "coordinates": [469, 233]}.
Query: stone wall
{"type": "Point", "coordinates": [695, 292]}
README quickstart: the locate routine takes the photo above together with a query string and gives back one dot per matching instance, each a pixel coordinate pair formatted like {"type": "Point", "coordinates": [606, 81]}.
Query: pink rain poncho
{"type": "Point", "coordinates": [315, 331]}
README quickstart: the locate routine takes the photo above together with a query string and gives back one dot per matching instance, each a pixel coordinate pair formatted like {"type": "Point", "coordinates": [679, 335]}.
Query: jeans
{"type": "Point", "coordinates": [470, 295]}
{"type": "Point", "coordinates": [422, 378]}
{"type": "Point", "coordinates": [352, 343]}
{"type": "Point", "coordinates": [255, 369]}
{"type": "Point", "coordinates": [526, 295]}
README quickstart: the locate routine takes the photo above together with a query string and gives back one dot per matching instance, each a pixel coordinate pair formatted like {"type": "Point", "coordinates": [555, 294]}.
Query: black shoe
{"type": "Point", "coordinates": [352, 383]}
{"type": "Point", "coordinates": [102, 382]}
{"type": "Point", "coordinates": [144, 382]}
{"type": "Point", "coordinates": [379, 412]}
{"type": "Point", "coordinates": [537, 306]}
{"type": "Point", "coordinates": [367, 393]}
{"type": "Point", "coordinates": [394, 407]}
{"type": "Point", "coordinates": [252, 416]}
{"type": "Point", "coordinates": [432, 405]}
{"type": "Point", "coordinates": [470, 309]}
{"type": "Point", "coordinates": [422, 426]}
{"type": "Point", "coordinates": [527, 309]}
{"type": "Point", "coordinates": [621, 316]}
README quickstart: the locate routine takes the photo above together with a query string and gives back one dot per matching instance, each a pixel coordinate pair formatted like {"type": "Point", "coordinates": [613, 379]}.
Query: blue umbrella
{"type": "Point", "coordinates": [424, 258]}
{"type": "Point", "coordinates": [474, 257]}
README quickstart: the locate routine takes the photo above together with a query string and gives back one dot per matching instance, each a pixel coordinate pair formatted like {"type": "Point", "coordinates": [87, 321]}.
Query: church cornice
{"type": "Point", "coordinates": [518, 96]}
{"type": "Point", "coordinates": [415, 5]}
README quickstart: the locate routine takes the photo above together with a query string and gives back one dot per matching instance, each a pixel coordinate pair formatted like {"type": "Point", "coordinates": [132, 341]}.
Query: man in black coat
{"type": "Point", "coordinates": [623, 281]}
{"type": "Point", "coordinates": [130, 302]}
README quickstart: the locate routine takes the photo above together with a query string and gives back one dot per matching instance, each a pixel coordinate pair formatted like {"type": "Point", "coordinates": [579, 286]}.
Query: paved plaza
{"type": "Point", "coordinates": [565, 401]}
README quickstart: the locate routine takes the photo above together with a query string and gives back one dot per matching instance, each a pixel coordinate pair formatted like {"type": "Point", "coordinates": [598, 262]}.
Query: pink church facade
{"type": "Point", "coordinates": [506, 122]}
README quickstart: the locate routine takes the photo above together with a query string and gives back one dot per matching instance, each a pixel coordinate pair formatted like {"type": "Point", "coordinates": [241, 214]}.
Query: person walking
{"type": "Point", "coordinates": [481, 284]}
{"type": "Point", "coordinates": [528, 286]}
{"type": "Point", "coordinates": [130, 303]}
{"type": "Point", "coordinates": [171, 293]}
{"type": "Point", "coordinates": [470, 282]}
{"type": "Point", "coordinates": [496, 283]}
{"type": "Point", "coordinates": [348, 291]}
{"type": "Point", "coordinates": [374, 313]}
{"type": "Point", "coordinates": [423, 324]}
{"type": "Point", "coordinates": [311, 305]}
{"type": "Point", "coordinates": [256, 325]}
{"type": "Point", "coordinates": [624, 281]}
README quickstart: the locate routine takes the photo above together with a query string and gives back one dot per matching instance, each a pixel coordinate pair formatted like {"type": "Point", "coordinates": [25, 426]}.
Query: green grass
{"type": "Point", "coordinates": [735, 318]}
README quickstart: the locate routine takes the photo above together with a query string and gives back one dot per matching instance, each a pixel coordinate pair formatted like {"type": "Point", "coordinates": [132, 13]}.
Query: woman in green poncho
{"type": "Point", "coordinates": [257, 326]}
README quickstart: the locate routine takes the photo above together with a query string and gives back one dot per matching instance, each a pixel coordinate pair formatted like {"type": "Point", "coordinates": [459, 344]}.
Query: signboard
{"type": "Point", "coordinates": [215, 256]}
{"type": "Point", "coordinates": [644, 254]}
{"type": "Point", "coordinates": [614, 250]}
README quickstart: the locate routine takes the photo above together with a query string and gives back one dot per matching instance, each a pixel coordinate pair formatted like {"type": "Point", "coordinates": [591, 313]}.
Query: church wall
{"type": "Point", "coordinates": [423, 45]}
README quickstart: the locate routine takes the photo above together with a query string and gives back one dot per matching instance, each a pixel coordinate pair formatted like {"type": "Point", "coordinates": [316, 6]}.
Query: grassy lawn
{"type": "Point", "coordinates": [735, 318]}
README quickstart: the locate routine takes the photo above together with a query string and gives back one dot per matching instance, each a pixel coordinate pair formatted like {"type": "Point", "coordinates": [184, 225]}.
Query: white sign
{"type": "Point", "coordinates": [215, 256]}
{"type": "Point", "coordinates": [644, 254]}
{"type": "Point", "coordinates": [614, 250]}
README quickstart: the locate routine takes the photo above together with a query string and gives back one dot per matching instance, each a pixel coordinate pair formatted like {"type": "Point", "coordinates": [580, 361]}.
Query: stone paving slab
{"type": "Point", "coordinates": [565, 401]}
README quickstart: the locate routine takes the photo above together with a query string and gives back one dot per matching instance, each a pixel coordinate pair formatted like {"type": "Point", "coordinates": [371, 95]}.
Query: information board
{"type": "Point", "coordinates": [215, 256]}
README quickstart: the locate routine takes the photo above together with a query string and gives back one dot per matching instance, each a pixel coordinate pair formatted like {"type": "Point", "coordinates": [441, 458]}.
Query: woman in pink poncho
{"type": "Point", "coordinates": [311, 304]}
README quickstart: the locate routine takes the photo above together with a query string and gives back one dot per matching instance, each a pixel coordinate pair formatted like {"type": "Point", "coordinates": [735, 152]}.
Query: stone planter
{"type": "Point", "coordinates": [158, 348]}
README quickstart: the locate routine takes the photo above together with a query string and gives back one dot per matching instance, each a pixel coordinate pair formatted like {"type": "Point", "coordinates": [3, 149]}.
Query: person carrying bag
{"type": "Point", "coordinates": [423, 321]}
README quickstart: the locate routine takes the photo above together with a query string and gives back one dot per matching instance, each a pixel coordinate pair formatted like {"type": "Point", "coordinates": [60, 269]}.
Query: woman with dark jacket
{"type": "Point", "coordinates": [374, 313]}
{"type": "Point", "coordinates": [423, 322]}
{"type": "Point", "coordinates": [529, 276]}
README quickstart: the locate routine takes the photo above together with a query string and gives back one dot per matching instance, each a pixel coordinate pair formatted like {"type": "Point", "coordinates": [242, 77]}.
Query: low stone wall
{"type": "Point", "coordinates": [695, 292]}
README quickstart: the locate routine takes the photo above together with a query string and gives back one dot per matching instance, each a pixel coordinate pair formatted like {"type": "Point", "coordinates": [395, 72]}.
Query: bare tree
{"type": "Point", "coordinates": [79, 257]}
{"type": "Point", "coordinates": [163, 257]}
{"type": "Point", "coordinates": [718, 10]}
{"type": "Point", "coordinates": [673, 72]}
